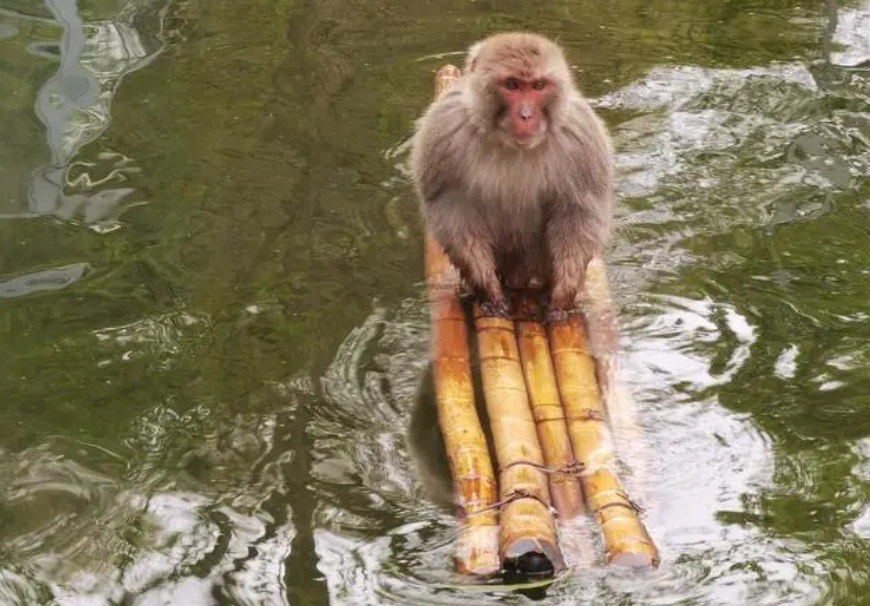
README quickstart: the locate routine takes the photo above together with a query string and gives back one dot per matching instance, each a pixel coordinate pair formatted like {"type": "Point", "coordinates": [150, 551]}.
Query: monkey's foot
{"type": "Point", "coordinates": [530, 566]}
{"type": "Point", "coordinates": [557, 315]}
{"type": "Point", "coordinates": [495, 309]}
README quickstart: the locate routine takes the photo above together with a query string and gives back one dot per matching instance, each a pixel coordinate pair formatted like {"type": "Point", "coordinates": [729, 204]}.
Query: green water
{"type": "Point", "coordinates": [212, 321]}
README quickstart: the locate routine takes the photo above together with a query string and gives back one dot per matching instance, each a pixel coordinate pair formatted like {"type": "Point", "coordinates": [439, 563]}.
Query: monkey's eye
{"type": "Point", "coordinates": [511, 84]}
{"type": "Point", "coordinates": [539, 85]}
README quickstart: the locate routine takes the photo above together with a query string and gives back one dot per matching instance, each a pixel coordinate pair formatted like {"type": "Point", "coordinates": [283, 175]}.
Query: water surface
{"type": "Point", "coordinates": [214, 324]}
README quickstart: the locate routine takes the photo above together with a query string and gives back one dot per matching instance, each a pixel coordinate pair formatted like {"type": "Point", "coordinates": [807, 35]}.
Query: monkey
{"type": "Point", "coordinates": [514, 172]}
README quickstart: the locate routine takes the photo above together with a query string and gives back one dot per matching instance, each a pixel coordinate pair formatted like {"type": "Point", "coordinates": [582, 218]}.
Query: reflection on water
{"type": "Point", "coordinates": [42, 280]}
{"type": "Point", "coordinates": [850, 34]}
{"type": "Point", "coordinates": [74, 106]}
{"type": "Point", "coordinates": [209, 403]}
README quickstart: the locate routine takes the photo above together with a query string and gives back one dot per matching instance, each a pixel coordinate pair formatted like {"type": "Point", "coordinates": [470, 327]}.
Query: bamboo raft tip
{"type": "Point", "coordinates": [635, 560]}
{"type": "Point", "coordinates": [446, 71]}
{"type": "Point", "coordinates": [477, 554]}
{"type": "Point", "coordinates": [530, 558]}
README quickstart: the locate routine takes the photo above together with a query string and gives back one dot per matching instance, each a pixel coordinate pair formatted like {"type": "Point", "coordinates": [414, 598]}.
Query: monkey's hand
{"type": "Point", "coordinates": [473, 258]}
{"type": "Point", "coordinates": [563, 301]}
{"type": "Point", "coordinates": [478, 271]}
{"type": "Point", "coordinates": [491, 296]}
{"type": "Point", "coordinates": [496, 309]}
{"type": "Point", "coordinates": [495, 305]}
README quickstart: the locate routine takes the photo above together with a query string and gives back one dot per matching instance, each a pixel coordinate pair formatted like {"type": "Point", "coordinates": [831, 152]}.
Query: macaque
{"type": "Point", "coordinates": [515, 175]}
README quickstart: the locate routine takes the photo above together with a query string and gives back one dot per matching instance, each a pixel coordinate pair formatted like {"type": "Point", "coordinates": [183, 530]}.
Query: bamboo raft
{"type": "Point", "coordinates": [545, 397]}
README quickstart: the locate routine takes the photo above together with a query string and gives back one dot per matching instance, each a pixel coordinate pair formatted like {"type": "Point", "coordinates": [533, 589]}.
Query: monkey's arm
{"type": "Point", "coordinates": [462, 233]}
{"type": "Point", "coordinates": [579, 220]}
{"type": "Point", "coordinates": [574, 236]}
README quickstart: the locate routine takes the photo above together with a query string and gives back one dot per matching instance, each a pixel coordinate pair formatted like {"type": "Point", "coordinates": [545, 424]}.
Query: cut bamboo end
{"type": "Point", "coordinates": [529, 549]}
{"type": "Point", "coordinates": [477, 551]}
{"type": "Point", "coordinates": [528, 542]}
{"type": "Point", "coordinates": [626, 540]}
{"type": "Point", "coordinates": [547, 410]}
{"type": "Point", "coordinates": [445, 77]}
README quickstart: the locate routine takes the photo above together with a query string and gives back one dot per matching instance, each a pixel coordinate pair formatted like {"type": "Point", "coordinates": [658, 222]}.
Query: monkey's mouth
{"type": "Point", "coordinates": [526, 141]}
{"type": "Point", "coordinates": [512, 139]}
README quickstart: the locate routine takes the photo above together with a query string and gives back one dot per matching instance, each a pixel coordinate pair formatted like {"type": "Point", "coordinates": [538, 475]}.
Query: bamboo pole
{"type": "Point", "coordinates": [626, 539]}
{"type": "Point", "coordinates": [603, 336]}
{"type": "Point", "coordinates": [547, 409]}
{"type": "Point", "coordinates": [527, 538]}
{"type": "Point", "coordinates": [474, 482]}
{"type": "Point", "coordinates": [604, 342]}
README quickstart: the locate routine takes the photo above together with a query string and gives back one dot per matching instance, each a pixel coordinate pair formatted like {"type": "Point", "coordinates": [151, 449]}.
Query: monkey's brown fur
{"type": "Point", "coordinates": [508, 215]}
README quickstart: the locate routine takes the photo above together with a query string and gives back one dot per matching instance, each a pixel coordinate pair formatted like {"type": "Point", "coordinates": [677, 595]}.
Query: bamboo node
{"type": "Point", "coordinates": [521, 493]}
{"type": "Point", "coordinates": [572, 468]}
{"type": "Point", "coordinates": [624, 501]}
{"type": "Point", "coordinates": [586, 414]}
{"type": "Point", "coordinates": [515, 495]}
{"type": "Point", "coordinates": [462, 513]}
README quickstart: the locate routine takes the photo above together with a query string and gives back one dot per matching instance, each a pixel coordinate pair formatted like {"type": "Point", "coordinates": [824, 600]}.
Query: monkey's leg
{"type": "Point", "coordinates": [476, 265]}
{"type": "Point", "coordinates": [525, 273]}
{"type": "Point", "coordinates": [573, 239]}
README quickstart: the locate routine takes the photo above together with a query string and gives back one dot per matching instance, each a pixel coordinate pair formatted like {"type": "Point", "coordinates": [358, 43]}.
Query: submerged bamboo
{"type": "Point", "coordinates": [625, 538]}
{"type": "Point", "coordinates": [528, 542]}
{"type": "Point", "coordinates": [603, 337]}
{"type": "Point", "coordinates": [474, 483]}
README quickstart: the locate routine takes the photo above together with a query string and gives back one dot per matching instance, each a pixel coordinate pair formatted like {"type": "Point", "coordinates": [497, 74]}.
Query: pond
{"type": "Point", "coordinates": [213, 321]}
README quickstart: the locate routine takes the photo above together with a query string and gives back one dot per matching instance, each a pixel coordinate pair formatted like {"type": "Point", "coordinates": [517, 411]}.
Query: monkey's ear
{"type": "Point", "coordinates": [473, 52]}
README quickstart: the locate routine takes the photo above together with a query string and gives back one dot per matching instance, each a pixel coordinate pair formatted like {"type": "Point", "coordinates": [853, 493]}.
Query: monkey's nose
{"type": "Point", "coordinates": [525, 111]}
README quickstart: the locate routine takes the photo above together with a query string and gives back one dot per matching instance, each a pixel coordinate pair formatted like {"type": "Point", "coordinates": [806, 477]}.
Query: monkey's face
{"type": "Point", "coordinates": [524, 100]}
{"type": "Point", "coordinates": [518, 79]}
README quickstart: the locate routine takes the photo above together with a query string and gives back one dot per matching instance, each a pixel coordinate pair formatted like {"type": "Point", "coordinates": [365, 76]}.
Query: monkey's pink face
{"type": "Point", "coordinates": [525, 100]}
